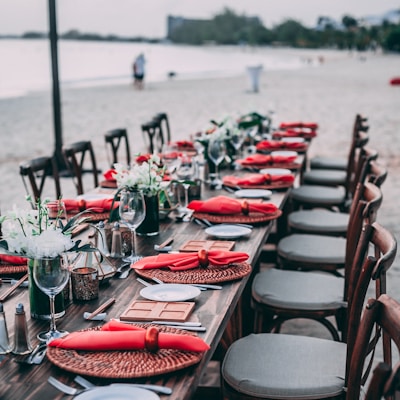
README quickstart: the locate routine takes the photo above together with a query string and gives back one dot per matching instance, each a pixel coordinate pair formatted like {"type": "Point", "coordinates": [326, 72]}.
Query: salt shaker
{"type": "Point", "coordinates": [101, 242]}
{"type": "Point", "coordinates": [5, 346]}
{"type": "Point", "coordinates": [22, 343]}
{"type": "Point", "coordinates": [116, 242]}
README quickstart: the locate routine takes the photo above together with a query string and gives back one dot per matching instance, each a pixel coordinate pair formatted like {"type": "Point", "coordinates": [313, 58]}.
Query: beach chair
{"type": "Point", "coordinates": [75, 157]}
{"type": "Point", "coordinates": [283, 366]}
{"type": "Point", "coordinates": [114, 140]}
{"type": "Point", "coordinates": [36, 171]}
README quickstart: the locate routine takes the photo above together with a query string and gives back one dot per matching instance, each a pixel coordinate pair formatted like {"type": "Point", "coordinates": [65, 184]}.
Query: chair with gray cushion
{"type": "Point", "coordinates": [284, 366]}
{"type": "Point", "coordinates": [281, 295]}
{"type": "Point", "coordinates": [327, 222]}
{"type": "Point", "coordinates": [340, 163]}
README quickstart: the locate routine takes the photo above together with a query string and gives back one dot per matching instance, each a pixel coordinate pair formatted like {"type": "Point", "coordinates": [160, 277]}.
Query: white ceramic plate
{"type": "Point", "coordinates": [284, 153]}
{"type": "Point", "coordinates": [170, 292]}
{"type": "Point", "coordinates": [293, 140]}
{"type": "Point", "coordinates": [117, 391]}
{"type": "Point", "coordinates": [227, 231]}
{"type": "Point", "coordinates": [275, 171]}
{"type": "Point", "coordinates": [253, 193]}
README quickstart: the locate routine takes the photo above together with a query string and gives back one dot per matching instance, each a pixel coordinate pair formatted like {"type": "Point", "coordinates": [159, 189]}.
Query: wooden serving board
{"type": "Point", "coordinates": [196, 245]}
{"type": "Point", "coordinates": [146, 310]}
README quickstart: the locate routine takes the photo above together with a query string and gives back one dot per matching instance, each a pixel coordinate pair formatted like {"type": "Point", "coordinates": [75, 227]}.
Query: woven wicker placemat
{"type": "Point", "coordinates": [251, 218]}
{"type": "Point", "coordinates": [292, 165]}
{"type": "Point", "coordinates": [269, 186]}
{"type": "Point", "coordinates": [124, 364]}
{"type": "Point", "coordinates": [12, 269]}
{"type": "Point", "coordinates": [94, 217]}
{"type": "Point", "coordinates": [211, 274]}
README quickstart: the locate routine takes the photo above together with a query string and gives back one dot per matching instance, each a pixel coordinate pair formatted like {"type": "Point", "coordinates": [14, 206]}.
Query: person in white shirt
{"type": "Point", "coordinates": [139, 71]}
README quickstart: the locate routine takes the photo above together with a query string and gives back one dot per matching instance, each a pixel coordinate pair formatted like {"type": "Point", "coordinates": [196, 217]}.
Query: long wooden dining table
{"type": "Point", "coordinates": [225, 313]}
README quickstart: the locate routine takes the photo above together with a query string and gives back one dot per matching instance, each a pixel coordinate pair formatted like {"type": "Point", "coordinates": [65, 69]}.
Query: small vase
{"type": "Point", "coordinates": [39, 301]}
{"type": "Point", "coordinates": [151, 223]}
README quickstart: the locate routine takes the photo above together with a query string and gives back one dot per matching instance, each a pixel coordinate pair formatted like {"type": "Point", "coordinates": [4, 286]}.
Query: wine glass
{"type": "Point", "coordinates": [216, 153]}
{"type": "Point", "coordinates": [185, 172]}
{"type": "Point", "coordinates": [132, 211]}
{"type": "Point", "coordinates": [170, 157]}
{"type": "Point", "coordinates": [237, 140]}
{"type": "Point", "coordinates": [57, 211]}
{"type": "Point", "coordinates": [51, 276]}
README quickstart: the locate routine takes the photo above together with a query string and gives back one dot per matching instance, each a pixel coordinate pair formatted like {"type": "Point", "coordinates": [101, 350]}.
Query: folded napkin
{"type": "Point", "coordinates": [227, 206]}
{"type": "Point", "coordinates": [184, 144]}
{"type": "Point", "coordinates": [278, 144]}
{"type": "Point", "coordinates": [119, 336]}
{"type": "Point", "coordinates": [12, 260]}
{"type": "Point", "coordinates": [97, 205]}
{"type": "Point", "coordinates": [294, 133]}
{"type": "Point", "coordinates": [264, 159]}
{"type": "Point", "coordinates": [256, 179]}
{"type": "Point", "coordinates": [298, 124]}
{"type": "Point", "coordinates": [185, 261]}
{"type": "Point", "coordinates": [109, 175]}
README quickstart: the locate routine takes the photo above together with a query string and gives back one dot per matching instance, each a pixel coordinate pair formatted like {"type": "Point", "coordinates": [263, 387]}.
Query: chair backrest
{"type": "Point", "coordinates": [376, 173]}
{"type": "Point", "coordinates": [165, 131]}
{"type": "Point", "coordinates": [384, 382]}
{"type": "Point", "coordinates": [114, 140]}
{"type": "Point", "coordinates": [156, 132]}
{"type": "Point", "coordinates": [150, 132]}
{"type": "Point", "coordinates": [36, 171]}
{"type": "Point", "coordinates": [74, 155]}
{"type": "Point", "coordinates": [382, 314]}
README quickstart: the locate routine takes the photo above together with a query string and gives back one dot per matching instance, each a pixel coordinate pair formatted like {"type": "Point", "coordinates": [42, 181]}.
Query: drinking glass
{"type": "Point", "coordinates": [57, 211]}
{"type": "Point", "coordinates": [216, 153]}
{"type": "Point", "coordinates": [51, 275]}
{"type": "Point", "coordinates": [132, 211]}
{"type": "Point", "coordinates": [186, 172]}
{"type": "Point", "coordinates": [170, 157]}
{"type": "Point", "coordinates": [237, 141]}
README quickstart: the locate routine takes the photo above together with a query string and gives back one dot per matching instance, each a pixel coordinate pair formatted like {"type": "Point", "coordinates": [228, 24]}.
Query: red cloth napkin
{"type": "Point", "coordinates": [12, 260]}
{"type": "Point", "coordinates": [109, 175]}
{"type": "Point", "coordinates": [184, 144]}
{"type": "Point", "coordinates": [294, 133]}
{"type": "Point", "coordinates": [256, 179]}
{"type": "Point", "coordinates": [278, 144]}
{"type": "Point", "coordinates": [185, 261]}
{"type": "Point", "coordinates": [227, 206]}
{"type": "Point", "coordinates": [119, 336]}
{"type": "Point", "coordinates": [298, 124]}
{"type": "Point", "coordinates": [98, 205]}
{"type": "Point", "coordinates": [264, 159]}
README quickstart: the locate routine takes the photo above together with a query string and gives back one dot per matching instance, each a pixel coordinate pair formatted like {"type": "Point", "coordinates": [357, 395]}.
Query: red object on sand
{"type": "Point", "coordinates": [395, 81]}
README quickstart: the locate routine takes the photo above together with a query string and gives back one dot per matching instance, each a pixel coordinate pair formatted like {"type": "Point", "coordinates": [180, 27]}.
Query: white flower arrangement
{"type": "Point", "coordinates": [33, 234]}
{"type": "Point", "coordinates": [145, 174]}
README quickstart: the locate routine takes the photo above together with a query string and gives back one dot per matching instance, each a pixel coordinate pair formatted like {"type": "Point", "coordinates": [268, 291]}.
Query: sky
{"type": "Point", "coordinates": [148, 18]}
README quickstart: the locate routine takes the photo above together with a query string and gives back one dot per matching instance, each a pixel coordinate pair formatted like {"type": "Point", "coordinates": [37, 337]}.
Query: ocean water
{"type": "Point", "coordinates": [25, 64]}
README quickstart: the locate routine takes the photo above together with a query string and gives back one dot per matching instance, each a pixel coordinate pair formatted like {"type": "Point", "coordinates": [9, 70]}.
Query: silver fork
{"type": "Point", "coordinates": [62, 387]}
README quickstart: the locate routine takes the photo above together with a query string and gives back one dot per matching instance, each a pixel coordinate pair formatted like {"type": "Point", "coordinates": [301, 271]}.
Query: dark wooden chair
{"type": "Point", "coordinates": [341, 163]}
{"type": "Point", "coordinates": [150, 133]}
{"type": "Point", "coordinates": [36, 171]}
{"type": "Point", "coordinates": [115, 139]}
{"type": "Point", "coordinates": [328, 222]}
{"type": "Point", "coordinates": [156, 132]}
{"type": "Point", "coordinates": [75, 156]}
{"type": "Point", "coordinates": [165, 130]}
{"type": "Point", "coordinates": [283, 366]}
{"type": "Point", "coordinates": [384, 383]}
{"type": "Point", "coordinates": [281, 295]}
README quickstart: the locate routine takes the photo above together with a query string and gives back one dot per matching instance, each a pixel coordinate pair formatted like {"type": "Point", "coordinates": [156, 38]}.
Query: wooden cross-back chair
{"type": "Point", "coordinates": [36, 171]}
{"type": "Point", "coordinates": [116, 139]}
{"type": "Point", "coordinates": [75, 156]}
{"type": "Point", "coordinates": [289, 366]}
{"type": "Point", "coordinates": [282, 295]}
{"type": "Point", "coordinates": [156, 132]}
{"type": "Point", "coordinates": [384, 383]}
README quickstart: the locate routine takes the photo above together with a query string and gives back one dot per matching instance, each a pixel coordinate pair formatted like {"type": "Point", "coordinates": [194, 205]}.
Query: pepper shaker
{"type": "Point", "coordinates": [116, 242]}
{"type": "Point", "coordinates": [22, 343]}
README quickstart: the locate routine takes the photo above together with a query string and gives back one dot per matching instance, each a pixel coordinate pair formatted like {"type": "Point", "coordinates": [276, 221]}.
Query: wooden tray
{"type": "Point", "coordinates": [196, 245]}
{"type": "Point", "coordinates": [145, 310]}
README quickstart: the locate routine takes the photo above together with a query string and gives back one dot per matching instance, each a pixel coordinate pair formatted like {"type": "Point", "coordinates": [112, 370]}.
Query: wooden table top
{"type": "Point", "coordinates": [214, 309]}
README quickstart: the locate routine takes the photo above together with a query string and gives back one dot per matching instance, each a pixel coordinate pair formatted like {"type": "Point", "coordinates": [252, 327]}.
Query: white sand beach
{"type": "Point", "coordinates": [331, 93]}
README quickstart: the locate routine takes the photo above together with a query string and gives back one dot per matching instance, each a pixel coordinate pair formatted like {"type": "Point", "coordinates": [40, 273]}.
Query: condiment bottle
{"type": "Point", "coordinates": [116, 242]}
{"type": "Point", "coordinates": [22, 343]}
{"type": "Point", "coordinates": [5, 346]}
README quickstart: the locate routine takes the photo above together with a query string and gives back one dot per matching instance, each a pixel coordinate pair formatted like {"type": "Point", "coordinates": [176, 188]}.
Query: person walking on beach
{"type": "Point", "coordinates": [138, 71]}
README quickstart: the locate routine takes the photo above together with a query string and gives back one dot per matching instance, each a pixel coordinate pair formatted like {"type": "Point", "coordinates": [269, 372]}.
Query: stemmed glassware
{"type": "Point", "coordinates": [185, 172]}
{"type": "Point", "coordinates": [170, 157]}
{"type": "Point", "coordinates": [132, 211]}
{"type": "Point", "coordinates": [51, 276]}
{"type": "Point", "coordinates": [237, 141]}
{"type": "Point", "coordinates": [216, 152]}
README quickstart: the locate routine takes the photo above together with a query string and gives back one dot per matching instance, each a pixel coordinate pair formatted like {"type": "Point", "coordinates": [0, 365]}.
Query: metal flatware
{"type": "Point", "coordinates": [11, 290]}
{"type": "Point", "coordinates": [62, 387]}
{"type": "Point", "coordinates": [101, 308]}
{"type": "Point", "coordinates": [124, 274]}
{"type": "Point", "coordinates": [155, 388]}
{"type": "Point", "coordinates": [164, 246]}
{"type": "Point", "coordinates": [171, 324]}
{"type": "Point", "coordinates": [36, 357]}
{"type": "Point", "coordinates": [198, 285]}
{"type": "Point", "coordinates": [143, 282]}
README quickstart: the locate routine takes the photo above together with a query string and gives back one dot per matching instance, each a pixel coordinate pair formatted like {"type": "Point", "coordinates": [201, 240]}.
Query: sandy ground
{"type": "Point", "coordinates": [331, 94]}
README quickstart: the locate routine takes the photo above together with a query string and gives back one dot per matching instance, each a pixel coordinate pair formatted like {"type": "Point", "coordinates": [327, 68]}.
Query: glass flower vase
{"type": "Point", "coordinates": [39, 301]}
{"type": "Point", "coordinates": [151, 223]}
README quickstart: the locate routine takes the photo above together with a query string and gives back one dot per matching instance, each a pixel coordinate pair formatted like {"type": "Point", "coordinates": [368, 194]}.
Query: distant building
{"type": "Point", "coordinates": [393, 17]}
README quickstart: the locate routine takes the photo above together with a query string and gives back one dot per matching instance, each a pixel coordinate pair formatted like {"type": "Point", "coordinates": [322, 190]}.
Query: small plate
{"type": "Point", "coordinates": [253, 193]}
{"type": "Point", "coordinates": [275, 171]}
{"type": "Point", "coordinates": [284, 153]}
{"type": "Point", "coordinates": [293, 140]}
{"type": "Point", "coordinates": [227, 231]}
{"type": "Point", "coordinates": [170, 292]}
{"type": "Point", "coordinates": [120, 391]}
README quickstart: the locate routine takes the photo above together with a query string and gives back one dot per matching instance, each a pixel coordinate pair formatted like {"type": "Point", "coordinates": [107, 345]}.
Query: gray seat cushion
{"type": "Point", "coordinates": [315, 249]}
{"type": "Point", "coordinates": [297, 290]}
{"type": "Point", "coordinates": [282, 366]}
{"type": "Point", "coordinates": [320, 162]}
{"type": "Point", "coordinates": [325, 177]}
{"type": "Point", "coordinates": [319, 221]}
{"type": "Point", "coordinates": [316, 194]}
